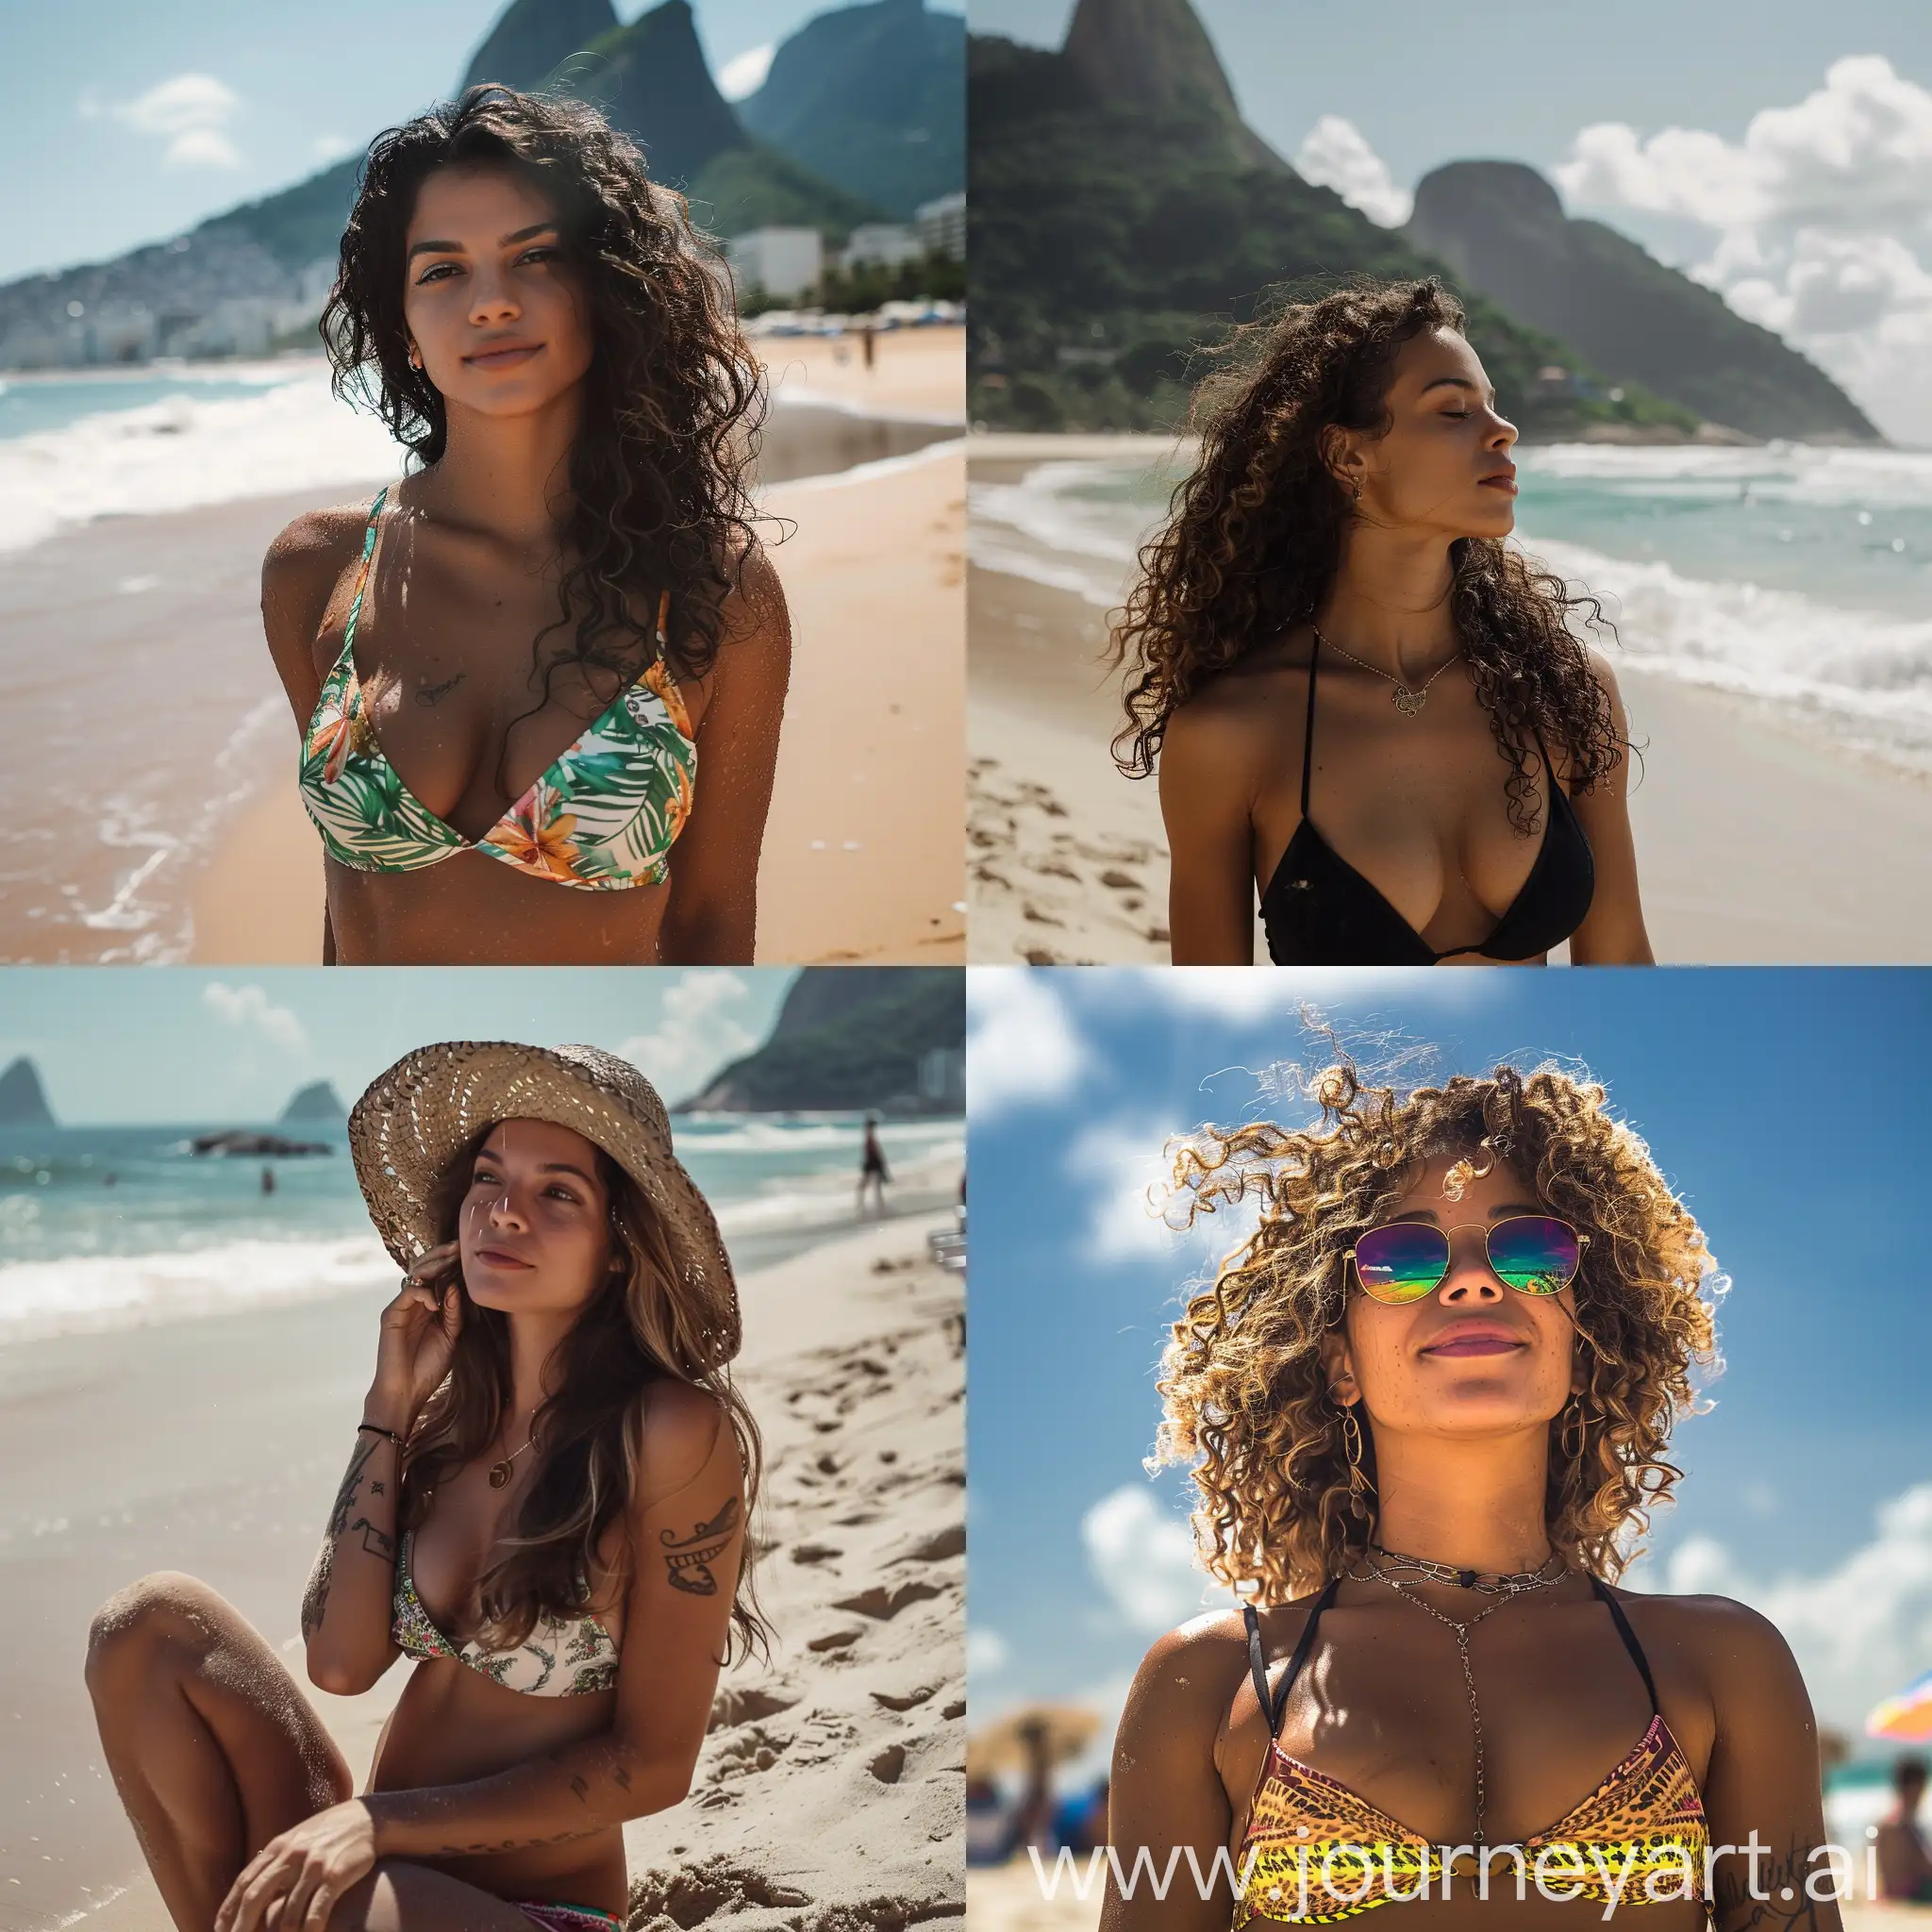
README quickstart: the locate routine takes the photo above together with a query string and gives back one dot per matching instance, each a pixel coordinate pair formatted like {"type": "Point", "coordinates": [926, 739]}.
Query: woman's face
{"type": "Point", "coordinates": [495, 308]}
{"type": "Point", "coordinates": [1474, 1357]}
{"type": "Point", "coordinates": [1443, 466]}
{"type": "Point", "coordinates": [534, 1229]}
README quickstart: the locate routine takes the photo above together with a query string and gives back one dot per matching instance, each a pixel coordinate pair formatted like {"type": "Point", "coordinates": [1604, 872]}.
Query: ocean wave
{"type": "Point", "coordinates": [83, 1294]}
{"type": "Point", "coordinates": [759, 1134]}
{"type": "Point", "coordinates": [1773, 472]}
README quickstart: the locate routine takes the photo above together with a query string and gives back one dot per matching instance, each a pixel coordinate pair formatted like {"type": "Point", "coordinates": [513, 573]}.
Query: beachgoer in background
{"type": "Point", "coordinates": [872, 1171]}
{"type": "Point", "coordinates": [1905, 1863]}
{"type": "Point", "coordinates": [268, 1180]}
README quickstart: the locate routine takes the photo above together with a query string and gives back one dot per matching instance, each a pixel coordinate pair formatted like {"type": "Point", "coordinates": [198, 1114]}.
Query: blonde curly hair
{"type": "Point", "coordinates": [1245, 1392]}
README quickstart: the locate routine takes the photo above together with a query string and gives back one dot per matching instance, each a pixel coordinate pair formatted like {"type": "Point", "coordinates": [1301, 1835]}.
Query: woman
{"type": "Point", "coordinates": [1330, 653]}
{"type": "Point", "coordinates": [544, 1510]}
{"type": "Point", "coordinates": [1428, 1402]}
{"type": "Point", "coordinates": [547, 623]}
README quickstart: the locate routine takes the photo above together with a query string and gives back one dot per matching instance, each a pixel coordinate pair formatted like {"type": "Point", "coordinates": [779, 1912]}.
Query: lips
{"type": "Point", "coordinates": [1461, 1342]}
{"type": "Point", "coordinates": [1502, 479]}
{"type": "Point", "coordinates": [504, 355]}
{"type": "Point", "coordinates": [501, 1257]}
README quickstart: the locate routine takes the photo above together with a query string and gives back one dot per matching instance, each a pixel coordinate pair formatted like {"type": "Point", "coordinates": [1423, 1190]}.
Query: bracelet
{"type": "Point", "coordinates": [376, 1428]}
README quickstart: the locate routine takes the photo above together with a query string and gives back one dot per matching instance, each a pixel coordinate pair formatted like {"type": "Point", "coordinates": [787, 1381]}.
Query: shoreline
{"type": "Point", "coordinates": [203, 1396]}
{"type": "Point", "coordinates": [1756, 843]}
{"type": "Point", "coordinates": [194, 844]}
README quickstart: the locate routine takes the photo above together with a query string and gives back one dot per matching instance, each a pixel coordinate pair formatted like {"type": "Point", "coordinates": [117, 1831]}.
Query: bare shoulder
{"type": "Point", "coordinates": [1188, 1677]}
{"type": "Point", "coordinates": [299, 576]}
{"type": "Point", "coordinates": [754, 610]}
{"type": "Point", "coordinates": [1738, 1652]}
{"type": "Point", "coordinates": [681, 1432]}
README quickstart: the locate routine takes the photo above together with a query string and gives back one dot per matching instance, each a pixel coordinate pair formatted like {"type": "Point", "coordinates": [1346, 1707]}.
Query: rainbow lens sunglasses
{"type": "Point", "coordinates": [1403, 1260]}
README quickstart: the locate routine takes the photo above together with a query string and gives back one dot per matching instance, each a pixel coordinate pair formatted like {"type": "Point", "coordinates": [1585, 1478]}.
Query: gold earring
{"type": "Point", "coordinates": [416, 362]}
{"type": "Point", "coordinates": [1355, 495]}
{"type": "Point", "coordinates": [1358, 1483]}
{"type": "Point", "coordinates": [1572, 1450]}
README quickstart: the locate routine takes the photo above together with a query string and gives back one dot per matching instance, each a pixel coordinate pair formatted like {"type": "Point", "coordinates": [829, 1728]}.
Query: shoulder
{"type": "Point", "coordinates": [754, 607]}
{"type": "Point", "coordinates": [678, 1434]}
{"type": "Point", "coordinates": [1739, 1654]}
{"type": "Point", "coordinates": [1189, 1676]}
{"type": "Point", "coordinates": [312, 553]}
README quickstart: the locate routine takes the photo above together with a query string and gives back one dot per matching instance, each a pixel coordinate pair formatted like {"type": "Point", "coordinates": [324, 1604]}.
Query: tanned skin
{"type": "Point", "coordinates": [1461, 1445]}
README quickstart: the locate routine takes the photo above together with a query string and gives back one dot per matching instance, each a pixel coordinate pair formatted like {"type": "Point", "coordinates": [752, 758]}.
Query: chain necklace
{"type": "Point", "coordinates": [1520, 1583]}
{"type": "Point", "coordinates": [499, 1472]}
{"type": "Point", "coordinates": [1407, 698]}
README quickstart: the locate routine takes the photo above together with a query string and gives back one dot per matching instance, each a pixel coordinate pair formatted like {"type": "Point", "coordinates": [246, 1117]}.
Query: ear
{"type": "Point", "coordinates": [1345, 462]}
{"type": "Point", "coordinates": [1338, 1369]}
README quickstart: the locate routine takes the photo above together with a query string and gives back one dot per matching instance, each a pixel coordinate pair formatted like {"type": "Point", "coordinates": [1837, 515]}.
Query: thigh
{"type": "Point", "coordinates": [400, 1897]}
{"type": "Point", "coordinates": [170, 1635]}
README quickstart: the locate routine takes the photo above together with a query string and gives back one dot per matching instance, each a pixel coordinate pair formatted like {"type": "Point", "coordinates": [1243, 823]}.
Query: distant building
{"type": "Point", "coordinates": [941, 225]}
{"type": "Point", "coordinates": [781, 262]}
{"type": "Point", "coordinates": [886, 242]}
{"type": "Point", "coordinates": [943, 1077]}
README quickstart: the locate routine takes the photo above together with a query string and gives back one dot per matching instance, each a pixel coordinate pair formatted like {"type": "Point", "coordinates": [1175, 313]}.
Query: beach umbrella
{"type": "Point", "coordinates": [1065, 1731]}
{"type": "Point", "coordinates": [1908, 1716]}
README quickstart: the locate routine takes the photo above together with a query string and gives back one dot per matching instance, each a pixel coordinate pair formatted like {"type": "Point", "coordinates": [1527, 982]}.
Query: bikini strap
{"type": "Point", "coordinates": [1308, 730]}
{"type": "Point", "coordinates": [663, 623]}
{"type": "Point", "coordinates": [1276, 1706]}
{"type": "Point", "coordinates": [363, 576]}
{"type": "Point", "coordinates": [1630, 1643]}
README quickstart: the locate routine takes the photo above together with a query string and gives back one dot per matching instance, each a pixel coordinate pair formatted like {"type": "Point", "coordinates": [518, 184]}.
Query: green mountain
{"type": "Point", "coordinates": [299, 224]}
{"type": "Point", "coordinates": [1122, 212]}
{"type": "Point", "coordinates": [22, 1101]}
{"type": "Point", "coordinates": [318, 1101]}
{"type": "Point", "coordinates": [847, 1036]}
{"type": "Point", "coordinates": [532, 36]}
{"type": "Point", "coordinates": [1501, 228]}
{"type": "Point", "coordinates": [873, 98]}
{"type": "Point", "coordinates": [650, 78]}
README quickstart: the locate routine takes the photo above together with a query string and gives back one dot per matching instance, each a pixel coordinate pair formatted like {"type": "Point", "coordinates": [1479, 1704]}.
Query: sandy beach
{"type": "Point", "coordinates": [829, 1793]}
{"type": "Point", "coordinates": [1756, 843]}
{"type": "Point", "coordinates": [134, 658]}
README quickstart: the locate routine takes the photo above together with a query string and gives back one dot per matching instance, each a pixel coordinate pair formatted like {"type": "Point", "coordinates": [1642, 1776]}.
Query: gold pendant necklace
{"type": "Point", "coordinates": [1407, 698]}
{"type": "Point", "coordinates": [499, 1472]}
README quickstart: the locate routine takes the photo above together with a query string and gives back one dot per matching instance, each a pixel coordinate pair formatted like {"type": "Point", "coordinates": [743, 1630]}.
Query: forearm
{"type": "Point", "coordinates": [591, 1786]}
{"type": "Point", "coordinates": [708, 932]}
{"type": "Point", "coordinates": [345, 1609]}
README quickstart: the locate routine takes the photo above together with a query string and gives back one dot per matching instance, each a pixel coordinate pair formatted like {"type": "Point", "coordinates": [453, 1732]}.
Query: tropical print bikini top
{"type": "Point", "coordinates": [1321, 1853]}
{"type": "Point", "coordinates": [565, 1658]}
{"type": "Point", "coordinates": [602, 818]}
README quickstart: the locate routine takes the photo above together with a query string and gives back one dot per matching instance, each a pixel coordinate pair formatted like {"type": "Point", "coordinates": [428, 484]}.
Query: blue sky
{"type": "Point", "coordinates": [1780, 150]}
{"type": "Point", "coordinates": [187, 1044]}
{"type": "Point", "coordinates": [295, 86]}
{"type": "Point", "coordinates": [1787, 1106]}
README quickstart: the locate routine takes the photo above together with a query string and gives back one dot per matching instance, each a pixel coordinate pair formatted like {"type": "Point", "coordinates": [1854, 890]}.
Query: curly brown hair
{"type": "Point", "coordinates": [636, 1331]}
{"type": "Point", "coordinates": [674, 397]}
{"type": "Point", "coordinates": [1243, 1388]}
{"type": "Point", "coordinates": [1254, 538]}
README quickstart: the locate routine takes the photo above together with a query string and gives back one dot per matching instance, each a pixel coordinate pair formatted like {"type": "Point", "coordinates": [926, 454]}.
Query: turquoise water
{"type": "Point", "coordinates": [104, 1226]}
{"type": "Point", "coordinates": [29, 408]}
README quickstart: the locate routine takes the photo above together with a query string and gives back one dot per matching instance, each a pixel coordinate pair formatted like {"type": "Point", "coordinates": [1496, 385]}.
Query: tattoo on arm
{"type": "Point", "coordinates": [377, 1542]}
{"type": "Point", "coordinates": [689, 1558]}
{"type": "Point", "coordinates": [1782, 1900]}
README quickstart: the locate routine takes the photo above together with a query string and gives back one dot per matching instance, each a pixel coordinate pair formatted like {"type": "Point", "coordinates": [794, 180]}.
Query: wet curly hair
{"type": "Point", "coordinates": [1254, 539]}
{"type": "Point", "coordinates": [673, 399]}
{"type": "Point", "coordinates": [1245, 1392]}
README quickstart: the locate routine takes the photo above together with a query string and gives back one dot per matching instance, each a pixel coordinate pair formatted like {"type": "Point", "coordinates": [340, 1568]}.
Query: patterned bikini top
{"type": "Point", "coordinates": [1321, 1853]}
{"type": "Point", "coordinates": [602, 818]}
{"type": "Point", "coordinates": [565, 1658]}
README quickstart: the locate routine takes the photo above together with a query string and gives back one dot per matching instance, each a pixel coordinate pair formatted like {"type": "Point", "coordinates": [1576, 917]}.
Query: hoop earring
{"type": "Point", "coordinates": [1572, 1451]}
{"type": "Point", "coordinates": [415, 357]}
{"type": "Point", "coordinates": [1359, 1487]}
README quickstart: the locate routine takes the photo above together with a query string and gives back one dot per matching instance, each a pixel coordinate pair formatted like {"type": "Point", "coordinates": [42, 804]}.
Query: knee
{"type": "Point", "coordinates": [163, 1609]}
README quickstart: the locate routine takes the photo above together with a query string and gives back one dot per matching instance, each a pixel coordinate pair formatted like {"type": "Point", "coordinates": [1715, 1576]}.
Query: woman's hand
{"type": "Point", "coordinates": [307, 1869]}
{"type": "Point", "coordinates": [419, 1331]}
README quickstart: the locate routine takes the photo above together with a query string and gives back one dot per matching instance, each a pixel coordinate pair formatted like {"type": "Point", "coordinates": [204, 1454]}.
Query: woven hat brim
{"type": "Point", "coordinates": [417, 1117]}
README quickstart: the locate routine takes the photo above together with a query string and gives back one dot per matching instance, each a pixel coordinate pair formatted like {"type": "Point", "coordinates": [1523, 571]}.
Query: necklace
{"type": "Point", "coordinates": [499, 1472]}
{"type": "Point", "coordinates": [1506, 1587]}
{"type": "Point", "coordinates": [1407, 698]}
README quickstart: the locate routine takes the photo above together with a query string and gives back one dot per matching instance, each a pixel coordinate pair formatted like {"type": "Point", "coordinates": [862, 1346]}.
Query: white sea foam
{"type": "Point", "coordinates": [84, 1293]}
{"type": "Point", "coordinates": [1773, 473]}
{"type": "Point", "coordinates": [186, 452]}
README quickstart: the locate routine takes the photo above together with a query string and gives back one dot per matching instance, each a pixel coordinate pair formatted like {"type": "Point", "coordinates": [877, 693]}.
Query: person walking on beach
{"type": "Point", "coordinates": [1428, 1407]}
{"type": "Point", "coordinates": [872, 1171]}
{"type": "Point", "coordinates": [1368, 715]}
{"type": "Point", "coordinates": [544, 1510]}
{"type": "Point", "coordinates": [539, 681]}
{"type": "Point", "coordinates": [1905, 1864]}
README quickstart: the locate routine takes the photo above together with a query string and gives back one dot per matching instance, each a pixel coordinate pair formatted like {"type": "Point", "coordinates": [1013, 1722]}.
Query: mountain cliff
{"type": "Point", "coordinates": [533, 36]}
{"type": "Point", "coordinates": [1119, 212]}
{"type": "Point", "coordinates": [847, 1036]}
{"type": "Point", "coordinates": [23, 1101]}
{"type": "Point", "coordinates": [1500, 226]}
{"type": "Point", "coordinates": [318, 1101]}
{"type": "Point", "coordinates": [873, 98]}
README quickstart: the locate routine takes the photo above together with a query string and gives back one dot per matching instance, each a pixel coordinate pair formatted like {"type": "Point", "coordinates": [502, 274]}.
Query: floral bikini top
{"type": "Point", "coordinates": [602, 818]}
{"type": "Point", "coordinates": [1316, 1852]}
{"type": "Point", "coordinates": [566, 1658]}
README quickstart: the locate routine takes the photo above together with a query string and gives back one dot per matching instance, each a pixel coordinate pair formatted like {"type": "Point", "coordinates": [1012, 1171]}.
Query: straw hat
{"type": "Point", "coordinates": [416, 1119]}
{"type": "Point", "coordinates": [1059, 1731]}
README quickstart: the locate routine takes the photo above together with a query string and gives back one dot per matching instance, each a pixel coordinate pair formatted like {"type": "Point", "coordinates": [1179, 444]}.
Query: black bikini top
{"type": "Point", "coordinates": [1319, 911]}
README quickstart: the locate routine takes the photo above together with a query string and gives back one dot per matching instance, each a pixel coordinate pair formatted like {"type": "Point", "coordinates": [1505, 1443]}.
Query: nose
{"type": "Point", "coordinates": [504, 1211]}
{"type": "Point", "coordinates": [491, 301]}
{"type": "Point", "coordinates": [1503, 436]}
{"type": "Point", "coordinates": [1469, 1282]}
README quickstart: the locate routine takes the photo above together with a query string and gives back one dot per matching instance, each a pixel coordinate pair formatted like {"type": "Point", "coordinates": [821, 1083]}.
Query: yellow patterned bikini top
{"type": "Point", "coordinates": [1316, 1853]}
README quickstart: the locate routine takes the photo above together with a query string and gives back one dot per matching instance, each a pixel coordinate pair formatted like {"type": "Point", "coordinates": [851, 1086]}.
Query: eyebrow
{"type": "Point", "coordinates": [1429, 1216]}
{"type": "Point", "coordinates": [508, 242]}
{"type": "Point", "coordinates": [490, 1149]}
{"type": "Point", "coordinates": [1453, 382]}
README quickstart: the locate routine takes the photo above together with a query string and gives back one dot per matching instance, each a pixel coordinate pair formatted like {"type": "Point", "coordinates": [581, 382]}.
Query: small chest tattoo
{"type": "Point", "coordinates": [429, 693]}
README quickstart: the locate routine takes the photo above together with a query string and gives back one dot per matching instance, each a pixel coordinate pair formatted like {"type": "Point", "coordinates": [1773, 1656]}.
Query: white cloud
{"type": "Point", "coordinates": [250, 1009]}
{"type": "Point", "coordinates": [329, 147]}
{"type": "Point", "coordinates": [190, 112]}
{"type": "Point", "coordinates": [1021, 1045]}
{"type": "Point", "coordinates": [1144, 1560]}
{"type": "Point", "coordinates": [746, 72]}
{"type": "Point", "coordinates": [986, 1650]}
{"type": "Point", "coordinates": [1333, 155]}
{"type": "Point", "coordinates": [1861, 1629]}
{"type": "Point", "coordinates": [1119, 1166]}
{"type": "Point", "coordinates": [700, 1028]}
{"type": "Point", "coordinates": [1822, 224]}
